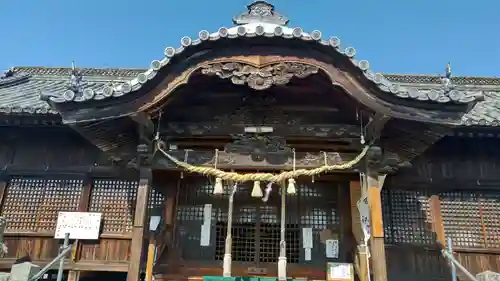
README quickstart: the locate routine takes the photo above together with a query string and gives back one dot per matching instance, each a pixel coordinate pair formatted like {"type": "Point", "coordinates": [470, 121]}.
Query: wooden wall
{"type": "Point", "coordinates": [47, 170]}
{"type": "Point", "coordinates": [464, 174]}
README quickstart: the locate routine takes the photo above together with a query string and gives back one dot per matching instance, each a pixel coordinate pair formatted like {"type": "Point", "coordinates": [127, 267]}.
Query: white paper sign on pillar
{"type": "Point", "coordinates": [207, 214]}
{"type": "Point", "coordinates": [307, 242]}
{"type": "Point", "coordinates": [364, 216]}
{"type": "Point", "coordinates": [206, 225]}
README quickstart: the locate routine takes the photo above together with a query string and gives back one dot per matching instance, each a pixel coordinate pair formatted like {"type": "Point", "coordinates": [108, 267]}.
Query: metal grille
{"type": "Point", "coordinates": [471, 218]}
{"type": "Point", "coordinates": [115, 199]}
{"type": "Point", "coordinates": [406, 215]}
{"type": "Point", "coordinates": [32, 204]}
{"type": "Point", "coordinates": [256, 225]}
{"type": "Point", "coordinates": [156, 200]}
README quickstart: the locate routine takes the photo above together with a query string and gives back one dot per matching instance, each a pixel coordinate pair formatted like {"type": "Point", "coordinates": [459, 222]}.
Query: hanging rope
{"type": "Point", "coordinates": [263, 177]}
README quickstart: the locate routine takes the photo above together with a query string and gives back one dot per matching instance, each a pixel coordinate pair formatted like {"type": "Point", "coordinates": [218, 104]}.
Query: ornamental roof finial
{"type": "Point", "coordinates": [260, 11]}
{"type": "Point", "coordinates": [446, 80]}
{"type": "Point", "coordinates": [8, 73]}
{"type": "Point", "coordinates": [448, 71]}
{"type": "Point", "coordinates": [75, 83]}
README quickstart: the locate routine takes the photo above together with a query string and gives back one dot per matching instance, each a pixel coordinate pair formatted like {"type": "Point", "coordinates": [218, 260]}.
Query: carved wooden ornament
{"type": "Point", "coordinates": [259, 78]}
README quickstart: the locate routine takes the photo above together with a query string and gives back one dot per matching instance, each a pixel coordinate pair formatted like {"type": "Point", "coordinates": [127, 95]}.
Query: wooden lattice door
{"type": "Point", "coordinates": [256, 224]}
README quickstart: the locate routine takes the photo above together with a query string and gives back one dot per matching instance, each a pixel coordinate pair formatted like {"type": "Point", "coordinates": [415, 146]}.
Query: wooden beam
{"type": "Point", "coordinates": [144, 120]}
{"type": "Point", "coordinates": [106, 266]}
{"type": "Point", "coordinates": [221, 106]}
{"type": "Point", "coordinates": [374, 128]}
{"type": "Point", "coordinates": [378, 259]}
{"type": "Point", "coordinates": [203, 129]}
{"type": "Point", "coordinates": [140, 226]}
{"type": "Point", "coordinates": [236, 161]}
{"type": "Point", "coordinates": [145, 123]}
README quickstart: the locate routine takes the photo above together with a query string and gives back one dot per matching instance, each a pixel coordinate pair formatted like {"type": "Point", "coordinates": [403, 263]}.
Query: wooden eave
{"type": "Point", "coordinates": [340, 69]}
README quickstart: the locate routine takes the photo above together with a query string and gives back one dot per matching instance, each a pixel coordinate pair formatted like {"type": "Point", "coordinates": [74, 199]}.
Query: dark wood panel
{"type": "Point", "coordinates": [111, 250]}
{"type": "Point", "coordinates": [415, 264]}
{"type": "Point", "coordinates": [47, 148]}
{"type": "Point", "coordinates": [479, 262]}
{"type": "Point", "coordinates": [7, 263]}
{"type": "Point", "coordinates": [38, 248]}
{"type": "Point", "coordinates": [475, 161]}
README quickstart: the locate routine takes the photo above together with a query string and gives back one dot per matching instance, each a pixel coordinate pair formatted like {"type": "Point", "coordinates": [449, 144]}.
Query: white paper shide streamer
{"type": "Point", "coordinates": [364, 216]}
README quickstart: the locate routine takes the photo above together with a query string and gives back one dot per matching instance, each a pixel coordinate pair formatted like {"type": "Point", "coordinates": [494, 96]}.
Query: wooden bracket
{"type": "Point", "coordinates": [374, 128]}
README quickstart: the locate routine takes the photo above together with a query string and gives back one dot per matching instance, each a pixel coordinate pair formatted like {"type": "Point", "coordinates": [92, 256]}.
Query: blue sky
{"type": "Point", "coordinates": [396, 36]}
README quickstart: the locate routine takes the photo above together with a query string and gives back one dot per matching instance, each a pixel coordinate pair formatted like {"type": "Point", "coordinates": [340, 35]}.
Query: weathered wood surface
{"type": "Point", "coordinates": [44, 149]}
{"type": "Point", "coordinates": [414, 263]}
{"type": "Point", "coordinates": [226, 160]}
{"type": "Point", "coordinates": [465, 162]}
{"type": "Point", "coordinates": [52, 174]}
{"type": "Point", "coordinates": [452, 190]}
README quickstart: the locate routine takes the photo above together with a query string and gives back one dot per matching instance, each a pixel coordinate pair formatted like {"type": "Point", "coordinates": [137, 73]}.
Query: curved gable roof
{"type": "Point", "coordinates": [20, 93]}
{"type": "Point", "coordinates": [260, 20]}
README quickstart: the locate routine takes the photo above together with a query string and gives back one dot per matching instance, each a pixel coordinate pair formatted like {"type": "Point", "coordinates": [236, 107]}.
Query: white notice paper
{"type": "Point", "coordinates": [205, 235]}
{"type": "Point", "coordinates": [307, 238]}
{"type": "Point", "coordinates": [307, 254]}
{"type": "Point", "coordinates": [207, 214]}
{"type": "Point", "coordinates": [79, 225]}
{"type": "Point", "coordinates": [332, 248]}
{"type": "Point", "coordinates": [340, 271]}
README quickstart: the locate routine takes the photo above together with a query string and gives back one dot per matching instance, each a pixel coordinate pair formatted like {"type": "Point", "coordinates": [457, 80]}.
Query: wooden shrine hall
{"type": "Point", "coordinates": [258, 150]}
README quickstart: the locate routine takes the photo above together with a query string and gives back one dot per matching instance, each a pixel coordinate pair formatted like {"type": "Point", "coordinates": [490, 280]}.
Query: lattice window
{"type": "Point", "coordinates": [470, 218]}
{"type": "Point", "coordinates": [256, 225]}
{"type": "Point", "coordinates": [32, 204]}
{"type": "Point", "coordinates": [116, 200]}
{"type": "Point", "coordinates": [156, 200]}
{"type": "Point", "coordinates": [407, 219]}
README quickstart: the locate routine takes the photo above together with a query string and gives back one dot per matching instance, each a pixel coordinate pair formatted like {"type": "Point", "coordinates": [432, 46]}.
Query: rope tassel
{"type": "Point", "coordinates": [218, 189]}
{"type": "Point", "coordinates": [291, 189]}
{"type": "Point", "coordinates": [256, 190]}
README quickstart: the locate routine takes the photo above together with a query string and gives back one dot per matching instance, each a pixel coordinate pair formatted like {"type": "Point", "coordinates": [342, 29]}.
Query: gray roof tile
{"type": "Point", "coordinates": [445, 94]}
{"type": "Point", "coordinates": [21, 92]}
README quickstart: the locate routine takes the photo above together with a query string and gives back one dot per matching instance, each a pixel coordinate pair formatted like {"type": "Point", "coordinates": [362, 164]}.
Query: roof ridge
{"type": "Point", "coordinates": [44, 70]}
{"type": "Point", "coordinates": [90, 71]}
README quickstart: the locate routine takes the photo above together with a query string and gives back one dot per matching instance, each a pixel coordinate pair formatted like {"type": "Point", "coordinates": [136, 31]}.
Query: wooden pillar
{"type": "Point", "coordinates": [437, 220]}
{"type": "Point", "coordinates": [141, 226]}
{"type": "Point", "coordinates": [377, 247]}
{"type": "Point", "coordinates": [73, 275]}
{"type": "Point", "coordinates": [3, 191]}
{"type": "Point", "coordinates": [361, 251]}
{"type": "Point", "coordinates": [164, 235]}
{"type": "Point", "coordinates": [83, 206]}
{"type": "Point", "coordinates": [151, 257]}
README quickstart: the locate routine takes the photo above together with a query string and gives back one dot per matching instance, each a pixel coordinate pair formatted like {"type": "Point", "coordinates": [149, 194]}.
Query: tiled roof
{"type": "Point", "coordinates": [20, 93]}
{"type": "Point", "coordinates": [446, 93]}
